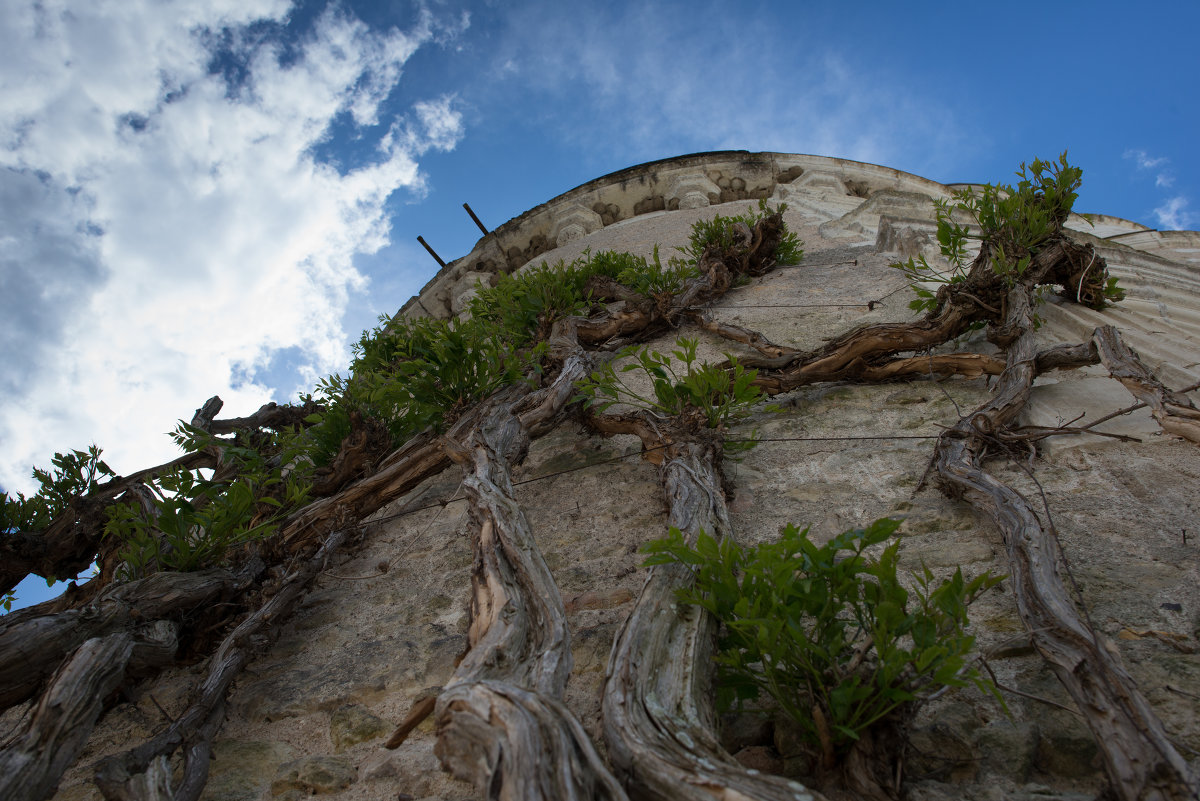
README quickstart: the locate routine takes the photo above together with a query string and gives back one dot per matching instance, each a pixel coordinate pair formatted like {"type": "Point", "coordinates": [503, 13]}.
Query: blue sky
{"type": "Point", "coordinates": [203, 198]}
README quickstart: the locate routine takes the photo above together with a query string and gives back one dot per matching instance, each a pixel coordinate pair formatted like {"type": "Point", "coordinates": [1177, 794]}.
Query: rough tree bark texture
{"type": "Point", "coordinates": [32, 647]}
{"type": "Point", "coordinates": [63, 718]}
{"type": "Point", "coordinates": [1173, 411]}
{"type": "Point", "coordinates": [409, 465]}
{"type": "Point", "coordinates": [501, 721]}
{"type": "Point", "coordinates": [658, 714]}
{"type": "Point", "coordinates": [1140, 761]}
{"type": "Point", "coordinates": [138, 774]}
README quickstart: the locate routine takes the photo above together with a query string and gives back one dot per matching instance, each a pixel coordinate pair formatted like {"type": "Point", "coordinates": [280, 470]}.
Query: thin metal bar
{"type": "Point", "coordinates": [436, 257]}
{"type": "Point", "coordinates": [476, 219]}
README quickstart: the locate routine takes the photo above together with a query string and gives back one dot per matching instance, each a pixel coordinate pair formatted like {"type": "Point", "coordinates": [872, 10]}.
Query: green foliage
{"type": "Point", "coordinates": [680, 387]}
{"type": "Point", "coordinates": [828, 626]}
{"type": "Point", "coordinates": [1013, 221]}
{"type": "Point", "coordinates": [919, 271]}
{"type": "Point", "coordinates": [1111, 292]}
{"type": "Point", "coordinates": [406, 376]}
{"type": "Point", "coordinates": [415, 374]}
{"type": "Point", "coordinates": [73, 475]}
{"type": "Point", "coordinates": [329, 427]}
{"type": "Point", "coordinates": [522, 307]}
{"type": "Point", "coordinates": [652, 279]}
{"type": "Point", "coordinates": [193, 520]}
{"type": "Point", "coordinates": [450, 365]}
{"type": "Point", "coordinates": [720, 233]}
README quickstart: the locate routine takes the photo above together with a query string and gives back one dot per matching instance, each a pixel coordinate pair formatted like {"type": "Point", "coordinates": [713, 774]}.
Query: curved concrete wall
{"type": "Point", "coordinates": [851, 194]}
{"type": "Point", "coordinates": [685, 182]}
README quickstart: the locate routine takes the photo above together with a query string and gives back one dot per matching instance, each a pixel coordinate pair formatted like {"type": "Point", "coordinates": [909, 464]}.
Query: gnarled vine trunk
{"type": "Point", "coordinates": [1141, 762]}
{"type": "Point", "coordinates": [658, 713]}
{"type": "Point", "coordinates": [501, 722]}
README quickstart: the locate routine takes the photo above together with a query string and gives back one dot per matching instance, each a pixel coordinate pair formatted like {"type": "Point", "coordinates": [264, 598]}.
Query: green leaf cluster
{"type": "Point", "coordinates": [720, 233]}
{"type": "Point", "coordinates": [829, 626]}
{"type": "Point", "coordinates": [415, 374]}
{"type": "Point", "coordinates": [681, 387]}
{"type": "Point", "coordinates": [191, 519]}
{"type": "Point", "coordinates": [72, 476]}
{"type": "Point", "coordinates": [522, 307]}
{"type": "Point", "coordinates": [1013, 221]}
{"type": "Point", "coordinates": [651, 278]}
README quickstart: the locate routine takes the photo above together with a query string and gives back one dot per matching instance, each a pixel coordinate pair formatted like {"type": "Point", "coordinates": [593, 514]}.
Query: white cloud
{"type": "Point", "coordinates": [197, 234]}
{"type": "Point", "coordinates": [437, 126]}
{"type": "Point", "coordinates": [1145, 161]}
{"type": "Point", "coordinates": [441, 125]}
{"type": "Point", "coordinates": [1163, 178]}
{"type": "Point", "coordinates": [1174, 216]}
{"type": "Point", "coordinates": [653, 81]}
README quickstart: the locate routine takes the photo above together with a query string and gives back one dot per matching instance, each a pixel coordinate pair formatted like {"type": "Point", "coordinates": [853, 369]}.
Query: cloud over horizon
{"type": "Point", "coordinates": [1172, 214]}
{"type": "Point", "coordinates": [169, 230]}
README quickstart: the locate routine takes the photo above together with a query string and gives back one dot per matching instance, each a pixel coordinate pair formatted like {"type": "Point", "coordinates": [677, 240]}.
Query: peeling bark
{"type": "Point", "coordinates": [736, 333]}
{"type": "Point", "coordinates": [63, 719]}
{"type": "Point", "coordinates": [959, 305]}
{"type": "Point", "coordinates": [501, 723]}
{"type": "Point", "coordinates": [515, 744]}
{"type": "Point", "coordinates": [368, 441]}
{"type": "Point", "coordinates": [1173, 410]}
{"type": "Point", "coordinates": [1140, 761]}
{"type": "Point", "coordinates": [500, 714]}
{"type": "Point", "coordinates": [410, 464]}
{"type": "Point", "coordinates": [658, 716]}
{"type": "Point", "coordinates": [127, 776]}
{"type": "Point", "coordinates": [32, 647]}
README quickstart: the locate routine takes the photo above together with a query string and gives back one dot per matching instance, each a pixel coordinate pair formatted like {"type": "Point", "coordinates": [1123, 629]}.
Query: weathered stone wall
{"type": "Point", "coordinates": [384, 627]}
{"type": "Point", "coordinates": [686, 182]}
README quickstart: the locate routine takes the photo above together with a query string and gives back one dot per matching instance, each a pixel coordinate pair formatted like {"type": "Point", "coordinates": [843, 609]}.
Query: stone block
{"type": "Point", "coordinates": [575, 222]}
{"type": "Point", "coordinates": [819, 183]}
{"type": "Point", "coordinates": [907, 237]}
{"type": "Point", "coordinates": [1007, 749]}
{"type": "Point", "coordinates": [693, 192]}
{"type": "Point", "coordinates": [353, 724]}
{"type": "Point", "coordinates": [864, 217]}
{"type": "Point", "coordinates": [314, 775]}
{"type": "Point", "coordinates": [240, 769]}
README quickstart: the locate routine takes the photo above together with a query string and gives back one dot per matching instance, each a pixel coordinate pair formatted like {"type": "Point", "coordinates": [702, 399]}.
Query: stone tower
{"type": "Point", "coordinates": [386, 622]}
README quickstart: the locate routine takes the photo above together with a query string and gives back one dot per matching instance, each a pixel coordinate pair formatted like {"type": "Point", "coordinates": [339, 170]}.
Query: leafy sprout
{"type": "Point", "coordinates": [720, 233]}
{"type": "Point", "coordinates": [681, 387]}
{"type": "Point", "coordinates": [829, 628]}
{"type": "Point", "coordinates": [1013, 221]}
{"type": "Point", "coordinates": [72, 476]}
{"type": "Point", "coordinates": [191, 519]}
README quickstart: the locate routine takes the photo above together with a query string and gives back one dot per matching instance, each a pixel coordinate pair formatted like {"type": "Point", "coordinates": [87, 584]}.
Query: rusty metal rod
{"type": "Point", "coordinates": [476, 219]}
{"type": "Point", "coordinates": [436, 257]}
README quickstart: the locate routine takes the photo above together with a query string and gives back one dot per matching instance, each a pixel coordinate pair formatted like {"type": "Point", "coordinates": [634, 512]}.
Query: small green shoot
{"type": "Point", "coordinates": [681, 387]}
{"type": "Point", "coordinates": [829, 626]}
